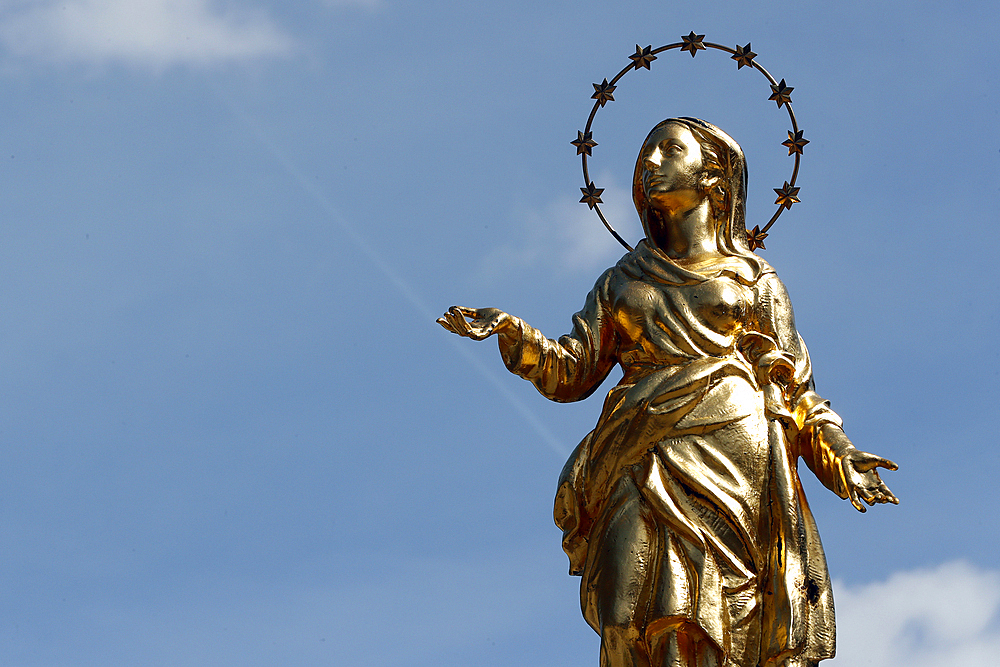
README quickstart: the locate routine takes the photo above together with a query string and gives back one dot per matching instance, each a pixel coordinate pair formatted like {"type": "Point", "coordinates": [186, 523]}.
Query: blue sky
{"type": "Point", "coordinates": [232, 432]}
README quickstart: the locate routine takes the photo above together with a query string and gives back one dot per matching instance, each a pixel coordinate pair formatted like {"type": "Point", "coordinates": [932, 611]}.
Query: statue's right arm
{"type": "Point", "coordinates": [564, 370]}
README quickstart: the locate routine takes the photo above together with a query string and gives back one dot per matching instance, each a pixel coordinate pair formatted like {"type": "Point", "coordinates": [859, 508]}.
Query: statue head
{"type": "Point", "coordinates": [715, 169]}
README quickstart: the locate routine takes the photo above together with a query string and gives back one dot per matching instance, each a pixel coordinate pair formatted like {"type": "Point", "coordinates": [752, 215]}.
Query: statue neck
{"type": "Point", "coordinates": [683, 235]}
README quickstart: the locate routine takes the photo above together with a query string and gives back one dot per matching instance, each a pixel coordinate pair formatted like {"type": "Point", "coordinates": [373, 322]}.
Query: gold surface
{"type": "Point", "coordinates": [682, 510]}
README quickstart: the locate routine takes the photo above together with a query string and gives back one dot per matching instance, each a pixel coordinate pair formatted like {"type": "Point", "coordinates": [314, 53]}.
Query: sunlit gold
{"type": "Point", "coordinates": [682, 510]}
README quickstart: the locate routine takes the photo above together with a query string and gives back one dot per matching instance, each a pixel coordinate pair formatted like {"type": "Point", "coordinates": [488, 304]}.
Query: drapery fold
{"type": "Point", "coordinates": [692, 463]}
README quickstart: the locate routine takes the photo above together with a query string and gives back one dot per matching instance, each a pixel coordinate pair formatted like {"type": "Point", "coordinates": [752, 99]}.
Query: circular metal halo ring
{"type": "Point", "coordinates": [693, 43]}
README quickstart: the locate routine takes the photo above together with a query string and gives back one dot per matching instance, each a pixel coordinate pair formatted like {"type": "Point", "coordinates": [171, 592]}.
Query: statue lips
{"type": "Point", "coordinates": [667, 184]}
{"type": "Point", "coordinates": [661, 184]}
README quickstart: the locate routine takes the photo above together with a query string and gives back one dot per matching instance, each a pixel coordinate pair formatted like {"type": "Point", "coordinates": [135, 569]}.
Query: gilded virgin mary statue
{"type": "Point", "coordinates": [682, 510]}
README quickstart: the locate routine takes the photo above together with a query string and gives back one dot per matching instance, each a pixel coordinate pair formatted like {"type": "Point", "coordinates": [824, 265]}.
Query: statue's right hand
{"type": "Point", "coordinates": [475, 323]}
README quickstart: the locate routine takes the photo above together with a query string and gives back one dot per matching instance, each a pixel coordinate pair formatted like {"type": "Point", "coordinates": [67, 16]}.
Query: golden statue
{"type": "Point", "coordinates": [682, 510]}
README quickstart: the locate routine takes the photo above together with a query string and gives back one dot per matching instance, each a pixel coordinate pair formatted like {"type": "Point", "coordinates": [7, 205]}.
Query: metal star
{"type": "Point", "coordinates": [787, 195]}
{"type": "Point", "coordinates": [591, 195]}
{"type": "Point", "coordinates": [795, 142]}
{"type": "Point", "coordinates": [602, 92]}
{"type": "Point", "coordinates": [755, 238]}
{"type": "Point", "coordinates": [642, 57]}
{"type": "Point", "coordinates": [781, 93]}
{"type": "Point", "coordinates": [693, 43]}
{"type": "Point", "coordinates": [744, 58]}
{"type": "Point", "coordinates": [584, 142]}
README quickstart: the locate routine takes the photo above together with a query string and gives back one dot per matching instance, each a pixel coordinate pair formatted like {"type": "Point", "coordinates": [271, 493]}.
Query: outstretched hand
{"type": "Point", "coordinates": [863, 482]}
{"type": "Point", "coordinates": [475, 323]}
{"type": "Point", "coordinates": [858, 470]}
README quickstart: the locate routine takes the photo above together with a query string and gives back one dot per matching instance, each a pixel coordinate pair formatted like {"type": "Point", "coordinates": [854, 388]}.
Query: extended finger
{"type": "Point", "coordinates": [446, 324]}
{"type": "Point", "coordinates": [865, 462]}
{"type": "Point", "coordinates": [886, 463]}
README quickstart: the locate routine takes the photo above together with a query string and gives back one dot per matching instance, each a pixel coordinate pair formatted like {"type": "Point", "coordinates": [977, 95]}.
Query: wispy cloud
{"type": "Point", "coordinates": [566, 236]}
{"type": "Point", "coordinates": [150, 33]}
{"type": "Point", "coordinates": [942, 617]}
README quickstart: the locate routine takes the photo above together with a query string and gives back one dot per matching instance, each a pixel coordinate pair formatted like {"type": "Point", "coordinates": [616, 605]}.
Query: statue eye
{"type": "Point", "coordinates": [672, 149]}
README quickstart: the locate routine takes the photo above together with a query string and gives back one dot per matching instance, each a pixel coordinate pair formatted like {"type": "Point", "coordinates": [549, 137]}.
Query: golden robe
{"type": "Point", "coordinates": [682, 510]}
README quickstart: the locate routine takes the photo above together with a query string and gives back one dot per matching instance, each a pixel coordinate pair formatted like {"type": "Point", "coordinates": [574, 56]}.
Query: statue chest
{"type": "Point", "coordinates": [695, 319]}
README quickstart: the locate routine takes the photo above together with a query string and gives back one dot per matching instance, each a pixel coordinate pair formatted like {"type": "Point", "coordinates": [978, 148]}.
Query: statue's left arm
{"type": "Point", "coordinates": [821, 441]}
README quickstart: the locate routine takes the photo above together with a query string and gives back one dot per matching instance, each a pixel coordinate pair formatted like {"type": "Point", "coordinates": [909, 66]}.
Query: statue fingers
{"type": "Point", "coordinates": [458, 322]}
{"type": "Point", "coordinates": [875, 491]}
{"type": "Point", "coordinates": [887, 498]}
{"type": "Point", "coordinates": [445, 323]}
{"type": "Point", "coordinates": [849, 479]}
{"type": "Point", "coordinates": [885, 495]}
{"type": "Point", "coordinates": [868, 494]}
{"type": "Point", "coordinates": [852, 495]}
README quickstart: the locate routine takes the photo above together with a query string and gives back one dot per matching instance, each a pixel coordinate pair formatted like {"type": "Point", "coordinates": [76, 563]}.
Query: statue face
{"type": "Point", "coordinates": [672, 166]}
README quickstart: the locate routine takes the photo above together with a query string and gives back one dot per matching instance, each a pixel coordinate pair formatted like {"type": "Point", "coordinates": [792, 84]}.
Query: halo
{"type": "Point", "coordinates": [692, 43]}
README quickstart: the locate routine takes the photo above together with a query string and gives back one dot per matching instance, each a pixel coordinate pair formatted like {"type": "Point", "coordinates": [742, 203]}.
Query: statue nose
{"type": "Point", "coordinates": [653, 161]}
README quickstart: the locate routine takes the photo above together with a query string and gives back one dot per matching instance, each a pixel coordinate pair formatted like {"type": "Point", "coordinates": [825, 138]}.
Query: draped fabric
{"type": "Point", "coordinates": [682, 510]}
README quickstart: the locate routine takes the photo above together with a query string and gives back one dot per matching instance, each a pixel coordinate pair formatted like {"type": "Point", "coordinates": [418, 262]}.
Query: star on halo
{"type": "Point", "coordinates": [693, 43]}
{"type": "Point", "coordinates": [795, 142]}
{"type": "Point", "coordinates": [584, 142]}
{"type": "Point", "coordinates": [642, 57]}
{"type": "Point", "coordinates": [755, 238]}
{"type": "Point", "coordinates": [744, 58]}
{"type": "Point", "coordinates": [787, 195]}
{"type": "Point", "coordinates": [591, 195]}
{"type": "Point", "coordinates": [781, 93]}
{"type": "Point", "coordinates": [603, 92]}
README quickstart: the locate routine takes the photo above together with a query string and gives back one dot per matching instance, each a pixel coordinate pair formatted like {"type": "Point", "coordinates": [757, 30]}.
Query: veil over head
{"type": "Point", "coordinates": [725, 163]}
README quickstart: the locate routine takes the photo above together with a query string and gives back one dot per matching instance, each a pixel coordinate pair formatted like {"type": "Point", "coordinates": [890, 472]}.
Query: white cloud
{"type": "Point", "coordinates": [942, 617]}
{"type": "Point", "coordinates": [566, 236]}
{"type": "Point", "coordinates": [153, 33]}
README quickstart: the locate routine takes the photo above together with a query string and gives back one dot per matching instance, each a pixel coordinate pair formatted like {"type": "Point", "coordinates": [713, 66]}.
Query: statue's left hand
{"type": "Point", "coordinates": [859, 478]}
{"type": "Point", "coordinates": [475, 323]}
{"type": "Point", "coordinates": [863, 482]}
